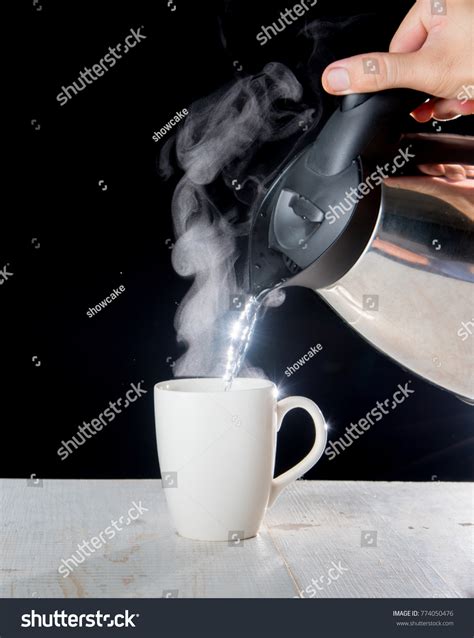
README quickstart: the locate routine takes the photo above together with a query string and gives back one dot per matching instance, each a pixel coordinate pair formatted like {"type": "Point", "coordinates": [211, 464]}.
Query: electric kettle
{"type": "Point", "coordinates": [396, 265]}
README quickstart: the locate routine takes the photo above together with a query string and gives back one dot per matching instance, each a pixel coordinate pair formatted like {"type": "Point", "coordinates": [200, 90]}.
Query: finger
{"type": "Point", "coordinates": [434, 186]}
{"type": "Point", "coordinates": [424, 112]}
{"type": "Point", "coordinates": [469, 171]}
{"type": "Point", "coordinates": [377, 71]}
{"type": "Point", "coordinates": [436, 170]}
{"type": "Point", "coordinates": [454, 172]}
{"type": "Point", "coordinates": [411, 34]}
{"type": "Point", "coordinates": [443, 109]}
{"type": "Point", "coordinates": [450, 109]}
{"type": "Point", "coordinates": [439, 170]}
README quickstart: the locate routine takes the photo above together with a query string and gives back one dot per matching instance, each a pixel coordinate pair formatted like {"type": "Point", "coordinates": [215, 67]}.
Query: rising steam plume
{"type": "Point", "coordinates": [218, 141]}
{"type": "Point", "coordinates": [217, 145]}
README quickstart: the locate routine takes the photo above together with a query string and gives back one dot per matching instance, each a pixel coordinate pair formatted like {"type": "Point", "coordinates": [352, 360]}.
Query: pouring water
{"type": "Point", "coordinates": [240, 337]}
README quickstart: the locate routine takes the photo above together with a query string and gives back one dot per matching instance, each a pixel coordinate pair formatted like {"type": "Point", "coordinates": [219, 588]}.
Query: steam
{"type": "Point", "coordinates": [216, 145]}
{"type": "Point", "coordinates": [217, 149]}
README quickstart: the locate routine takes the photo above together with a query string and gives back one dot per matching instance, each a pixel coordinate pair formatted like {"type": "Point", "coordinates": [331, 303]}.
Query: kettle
{"type": "Point", "coordinates": [396, 265]}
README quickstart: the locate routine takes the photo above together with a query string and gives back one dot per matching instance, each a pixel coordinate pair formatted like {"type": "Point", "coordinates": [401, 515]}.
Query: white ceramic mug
{"type": "Point", "coordinates": [217, 453]}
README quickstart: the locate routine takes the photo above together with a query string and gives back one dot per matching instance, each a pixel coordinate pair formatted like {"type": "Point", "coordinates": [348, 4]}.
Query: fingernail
{"type": "Point", "coordinates": [338, 79]}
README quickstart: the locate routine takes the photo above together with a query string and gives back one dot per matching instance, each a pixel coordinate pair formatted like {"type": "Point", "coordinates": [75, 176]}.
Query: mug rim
{"type": "Point", "coordinates": [249, 384]}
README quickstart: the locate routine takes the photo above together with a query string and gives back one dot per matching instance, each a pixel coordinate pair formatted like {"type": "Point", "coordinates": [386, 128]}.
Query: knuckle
{"type": "Point", "coordinates": [370, 73]}
{"type": "Point", "coordinates": [391, 71]}
{"type": "Point", "coordinates": [386, 74]}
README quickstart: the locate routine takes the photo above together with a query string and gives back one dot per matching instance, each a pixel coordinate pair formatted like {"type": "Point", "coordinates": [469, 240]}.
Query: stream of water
{"type": "Point", "coordinates": [240, 338]}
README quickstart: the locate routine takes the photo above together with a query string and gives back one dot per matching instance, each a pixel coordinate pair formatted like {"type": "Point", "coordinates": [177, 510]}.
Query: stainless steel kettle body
{"type": "Point", "coordinates": [396, 265]}
{"type": "Point", "coordinates": [411, 293]}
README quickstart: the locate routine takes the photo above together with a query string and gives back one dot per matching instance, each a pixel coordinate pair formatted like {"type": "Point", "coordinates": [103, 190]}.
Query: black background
{"type": "Point", "coordinates": [93, 240]}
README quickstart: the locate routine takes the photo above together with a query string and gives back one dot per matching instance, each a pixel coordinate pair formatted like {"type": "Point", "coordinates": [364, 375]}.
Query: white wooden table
{"type": "Point", "coordinates": [353, 539]}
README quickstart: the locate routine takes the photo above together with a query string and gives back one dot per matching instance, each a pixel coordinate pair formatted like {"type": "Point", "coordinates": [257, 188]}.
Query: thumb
{"type": "Point", "coordinates": [375, 72]}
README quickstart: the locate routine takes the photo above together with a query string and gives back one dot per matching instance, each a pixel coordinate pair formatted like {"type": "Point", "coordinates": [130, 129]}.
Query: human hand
{"type": "Point", "coordinates": [430, 52]}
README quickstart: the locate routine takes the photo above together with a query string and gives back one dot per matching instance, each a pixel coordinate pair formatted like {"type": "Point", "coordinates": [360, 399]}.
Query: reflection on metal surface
{"type": "Point", "coordinates": [425, 293]}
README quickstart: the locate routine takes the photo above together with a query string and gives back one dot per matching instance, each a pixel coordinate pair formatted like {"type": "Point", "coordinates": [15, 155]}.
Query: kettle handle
{"type": "Point", "coordinates": [364, 124]}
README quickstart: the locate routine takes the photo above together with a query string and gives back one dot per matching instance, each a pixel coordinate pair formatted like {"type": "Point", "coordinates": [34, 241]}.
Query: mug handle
{"type": "Point", "coordinates": [313, 456]}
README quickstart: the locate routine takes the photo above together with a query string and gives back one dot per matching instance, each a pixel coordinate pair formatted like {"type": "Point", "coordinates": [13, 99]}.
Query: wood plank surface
{"type": "Point", "coordinates": [321, 539]}
{"type": "Point", "coordinates": [388, 539]}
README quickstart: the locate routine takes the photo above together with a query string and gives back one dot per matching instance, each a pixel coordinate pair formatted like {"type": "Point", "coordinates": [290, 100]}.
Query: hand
{"type": "Point", "coordinates": [430, 52]}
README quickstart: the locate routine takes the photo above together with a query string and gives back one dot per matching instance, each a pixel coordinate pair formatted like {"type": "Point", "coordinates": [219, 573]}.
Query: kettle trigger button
{"type": "Point", "coordinates": [305, 208]}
